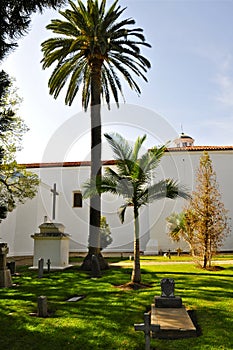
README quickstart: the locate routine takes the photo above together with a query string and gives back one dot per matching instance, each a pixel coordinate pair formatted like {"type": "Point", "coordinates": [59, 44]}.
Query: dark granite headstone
{"type": "Point", "coordinates": [95, 266]}
{"type": "Point", "coordinates": [48, 264]}
{"type": "Point", "coordinates": [168, 287]}
{"type": "Point", "coordinates": [40, 267]}
{"type": "Point", "coordinates": [168, 298]}
{"type": "Point", "coordinates": [11, 266]}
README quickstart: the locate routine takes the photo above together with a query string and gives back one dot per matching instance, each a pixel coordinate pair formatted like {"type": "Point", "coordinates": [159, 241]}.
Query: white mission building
{"type": "Point", "coordinates": [179, 162]}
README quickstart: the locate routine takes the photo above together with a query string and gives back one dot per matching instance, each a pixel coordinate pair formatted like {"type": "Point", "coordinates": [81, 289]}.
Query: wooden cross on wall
{"type": "Point", "coordinates": [55, 193]}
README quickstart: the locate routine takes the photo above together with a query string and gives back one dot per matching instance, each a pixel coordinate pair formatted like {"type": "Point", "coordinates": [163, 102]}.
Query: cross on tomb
{"type": "Point", "coordinates": [55, 193]}
{"type": "Point", "coordinates": [147, 327]}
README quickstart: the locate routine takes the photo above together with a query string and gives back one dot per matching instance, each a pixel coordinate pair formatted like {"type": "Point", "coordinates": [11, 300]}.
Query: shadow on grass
{"type": "Point", "coordinates": [105, 318]}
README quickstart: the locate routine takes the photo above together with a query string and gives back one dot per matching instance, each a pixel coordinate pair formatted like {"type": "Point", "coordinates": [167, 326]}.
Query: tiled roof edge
{"type": "Point", "coordinates": [112, 162]}
{"type": "Point", "coordinates": [65, 164]}
{"type": "Point", "coordinates": [200, 148]}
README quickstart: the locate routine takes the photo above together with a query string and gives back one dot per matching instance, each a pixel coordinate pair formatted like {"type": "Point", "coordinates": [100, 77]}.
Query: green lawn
{"type": "Point", "coordinates": [104, 319]}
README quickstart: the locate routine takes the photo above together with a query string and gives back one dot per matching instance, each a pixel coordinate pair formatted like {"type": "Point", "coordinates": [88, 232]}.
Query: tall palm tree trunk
{"type": "Point", "coordinates": [136, 273]}
{"type": "Point", "coordinates": [96, 148]}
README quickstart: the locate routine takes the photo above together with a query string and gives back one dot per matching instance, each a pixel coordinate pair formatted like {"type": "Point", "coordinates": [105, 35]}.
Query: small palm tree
{"type": "Point", "coordinates": [176, 225]}
{"type": "Point", "coordinates": [182, 226]}
{"type": "Point", "coordinates": [93, 45]}
{"type": "Point", "coordinates": [132, 180]}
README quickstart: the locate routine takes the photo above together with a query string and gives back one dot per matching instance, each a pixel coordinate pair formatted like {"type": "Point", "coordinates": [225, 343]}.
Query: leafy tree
{"type": "Point", "coordinates": [105, 233]}
{"type": "Point", "coordinates": [92, 46]}
{"type": "Point", "coordinates": [132, 181]}
{"type": "Point", "coordinates": [15, 19]}
{"type": "Point", "coordinates": [204, 223]}
{"type": "Point", "coordinates": [16, 183]}
{"type": "Point", "coordinates": [12, 127]}
{"type": "Point", "coordinates": [211, 221]}
{"type": "Point", "coordinates": [16, 186]}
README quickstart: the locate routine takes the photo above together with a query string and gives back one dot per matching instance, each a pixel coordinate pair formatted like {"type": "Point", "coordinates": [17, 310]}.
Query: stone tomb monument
{"type": "Point", "coordinates": [168, 318]}
{"type": "Point", "coordinates": [170, 314]}
{"type": "Point", "coordinates": [52, 245]}
{"type": "Point", "coordinates": [5, 274]}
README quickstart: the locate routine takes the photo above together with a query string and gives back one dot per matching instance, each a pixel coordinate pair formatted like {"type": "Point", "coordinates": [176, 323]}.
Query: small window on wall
{"type": "Point", "coordinates": [77, 199]}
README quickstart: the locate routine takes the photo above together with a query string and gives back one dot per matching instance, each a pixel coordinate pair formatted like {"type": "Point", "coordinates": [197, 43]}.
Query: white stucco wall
{"type": "Point", "coordinates": [183, 166]}
{"type": "Point", "coordinates": [24, 221]}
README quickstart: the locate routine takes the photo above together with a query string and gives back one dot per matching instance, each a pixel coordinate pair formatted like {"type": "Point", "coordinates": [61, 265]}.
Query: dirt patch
{"type": "Point", "coordinates": [215, 268]}
{"type": "Point", "coordinates": [133, 286]}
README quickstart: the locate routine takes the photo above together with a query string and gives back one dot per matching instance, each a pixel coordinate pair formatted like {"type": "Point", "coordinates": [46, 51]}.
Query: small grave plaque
{"type": "Point", "coordinates": [76, 298]}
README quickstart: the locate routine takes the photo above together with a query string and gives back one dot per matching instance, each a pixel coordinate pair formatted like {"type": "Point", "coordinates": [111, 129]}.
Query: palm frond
{"type": "Point", "coordinates": [95, 34]}
{"type": "Point", "coordinates": [120, 146]}
{"type": "Point", "coordinates": [121, 212]}
{"type": "Point", "coordinates": [137, 147]}
{"type": "Point", "coordinates": [126, 75]}
{"type": "Point", "coordinates": [166, 189]}
{"type": "Point", "coordinates": [151, 159]}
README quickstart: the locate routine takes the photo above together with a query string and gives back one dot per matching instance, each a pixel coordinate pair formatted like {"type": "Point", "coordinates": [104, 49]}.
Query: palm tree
{"type": "Point", "coordinates": [132, 180]}
{"type": "Point", "coordinates": [182, 225]}
{"type": "Point", "coordinates": [93, 43]}
{"type": "Point", "coordinates": [176, 224]}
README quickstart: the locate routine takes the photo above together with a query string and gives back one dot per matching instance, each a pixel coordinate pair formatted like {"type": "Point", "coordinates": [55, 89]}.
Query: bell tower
{"type": "Point", "coordinates": [184, 141]}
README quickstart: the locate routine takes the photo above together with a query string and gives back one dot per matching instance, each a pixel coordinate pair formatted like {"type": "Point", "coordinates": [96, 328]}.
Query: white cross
{"type": "Point", "coordinates": [55, 193]}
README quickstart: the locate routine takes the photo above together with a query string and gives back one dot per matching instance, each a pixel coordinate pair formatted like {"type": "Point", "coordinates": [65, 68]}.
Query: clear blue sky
{"type": "Point", "coordinates": [190, 82]}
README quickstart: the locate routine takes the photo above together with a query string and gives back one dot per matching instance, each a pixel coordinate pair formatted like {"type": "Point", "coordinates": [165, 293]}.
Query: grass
{"type": "Point", "coordinates": [104, 319]}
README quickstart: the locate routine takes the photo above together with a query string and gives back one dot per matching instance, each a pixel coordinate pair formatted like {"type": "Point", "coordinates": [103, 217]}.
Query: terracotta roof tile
{"type": "Point", "coordinates": [200, 148]}
{"type": "Point", "coordinates": [112, 162]}
{"type": "Point", "coordinates": [65, 164]}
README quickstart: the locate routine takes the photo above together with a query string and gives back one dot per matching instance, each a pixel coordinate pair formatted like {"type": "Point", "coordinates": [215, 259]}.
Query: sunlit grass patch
{"type": "Point", "coordinates": [105, 318]}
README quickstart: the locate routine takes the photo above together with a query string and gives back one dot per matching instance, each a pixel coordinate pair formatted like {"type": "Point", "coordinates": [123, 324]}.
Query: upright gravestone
{"type": "Point", "coordinates": [95, 266]}
{"type": "Point", "coordinates": [168, 287]}
{"type": "Point", "coordinates": [40, 267]}
{"type": "Point", "coordinates": [42, 306]}
{"type": "Point", "coordinates": [168, 298]}
{"type": "Point", "coordinates": [5, 274]}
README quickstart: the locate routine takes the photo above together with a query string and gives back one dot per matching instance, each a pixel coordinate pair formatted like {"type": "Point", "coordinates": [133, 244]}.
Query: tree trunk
{"type": "Point", "coordinates": [136, 273]}
{"type": "Point", "coordinates": [96, 146]}
{"type": "Point", "coordinates": [205, 254]}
